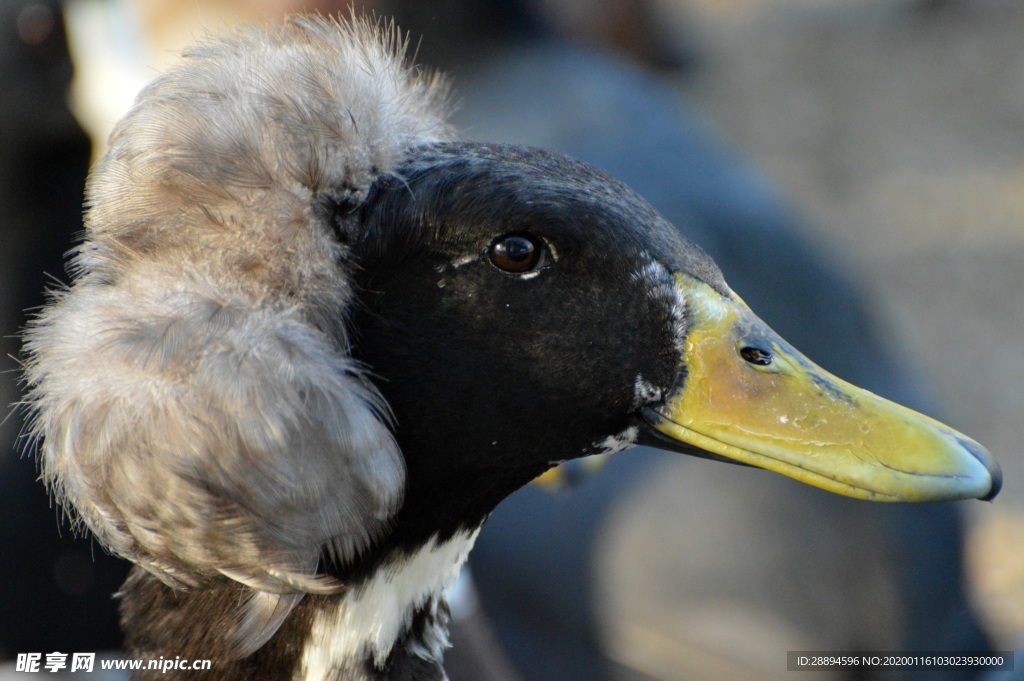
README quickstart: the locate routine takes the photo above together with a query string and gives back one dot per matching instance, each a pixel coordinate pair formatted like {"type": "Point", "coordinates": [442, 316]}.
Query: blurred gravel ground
{"type": "Point", "coordinates": [898, 129]}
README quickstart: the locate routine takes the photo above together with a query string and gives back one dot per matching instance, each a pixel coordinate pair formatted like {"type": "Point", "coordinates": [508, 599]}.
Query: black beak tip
{"type": "Point", "coordinates": [990, 464]}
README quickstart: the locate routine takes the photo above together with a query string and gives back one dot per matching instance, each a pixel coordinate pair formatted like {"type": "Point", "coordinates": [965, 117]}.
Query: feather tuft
{"type": "Point", "coordinates": [192, 397]}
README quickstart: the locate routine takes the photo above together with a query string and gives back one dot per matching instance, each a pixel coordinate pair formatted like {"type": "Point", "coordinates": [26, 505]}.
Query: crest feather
{"type": "Point", "coordinates": [192, 393]}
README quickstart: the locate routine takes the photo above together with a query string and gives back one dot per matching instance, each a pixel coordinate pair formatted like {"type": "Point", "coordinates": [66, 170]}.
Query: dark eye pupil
{"type": "Point", "coordinates": [756, 356]}
{"type": "Point", "coordinates": [515, 253]}
{"type": "Point", "coordinates": [516, 248]}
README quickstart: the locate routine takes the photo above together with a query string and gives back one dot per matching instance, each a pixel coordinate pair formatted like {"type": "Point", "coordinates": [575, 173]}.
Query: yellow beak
{"type": "Point", "coordinates": [748, 396]}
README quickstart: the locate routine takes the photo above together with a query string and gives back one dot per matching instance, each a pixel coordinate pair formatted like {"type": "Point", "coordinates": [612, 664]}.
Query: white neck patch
{"type": "Point", "coordinates": [371, 617]}
{"type": "Point", "coordinates": [613, 444]}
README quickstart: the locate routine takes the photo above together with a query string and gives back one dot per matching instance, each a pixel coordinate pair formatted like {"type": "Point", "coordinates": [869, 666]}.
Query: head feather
{"type": "Point", "coordinates": [192, 393]}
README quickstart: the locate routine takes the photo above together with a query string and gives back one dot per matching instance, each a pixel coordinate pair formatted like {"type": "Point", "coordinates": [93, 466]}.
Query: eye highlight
{"type": "Point", "coordinates": [516, 253]}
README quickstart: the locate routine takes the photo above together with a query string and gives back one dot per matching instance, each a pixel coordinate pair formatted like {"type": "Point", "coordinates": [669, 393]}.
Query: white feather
{"type": "Point", "coordinates": [369, 620]}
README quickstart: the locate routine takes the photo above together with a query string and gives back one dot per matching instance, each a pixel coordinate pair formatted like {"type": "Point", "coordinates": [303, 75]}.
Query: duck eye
{"type": "Point", "coordinates": [516, 253]}
{"type": "Point", "coordinates": [756, 356]}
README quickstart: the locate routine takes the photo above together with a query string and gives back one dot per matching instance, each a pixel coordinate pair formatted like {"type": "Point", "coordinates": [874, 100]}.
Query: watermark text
{"type": "Point", "coordinates": [86, 662]}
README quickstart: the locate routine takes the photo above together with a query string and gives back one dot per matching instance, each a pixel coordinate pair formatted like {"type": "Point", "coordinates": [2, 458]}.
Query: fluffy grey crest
{"type": "Point", "coordinates": [192, 394]}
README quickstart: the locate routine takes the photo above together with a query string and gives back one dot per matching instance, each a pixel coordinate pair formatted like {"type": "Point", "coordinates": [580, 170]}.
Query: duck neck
{"type": "Point", "coordinates": [391, 625]}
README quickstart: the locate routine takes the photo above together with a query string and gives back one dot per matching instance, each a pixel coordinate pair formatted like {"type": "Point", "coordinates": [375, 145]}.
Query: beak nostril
{"type": "Point", "coordinates": [756, 356]}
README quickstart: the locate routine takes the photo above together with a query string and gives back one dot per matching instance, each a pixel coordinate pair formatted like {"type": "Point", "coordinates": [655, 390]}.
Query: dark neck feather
{"type": "Point", "coordinates": [196, 624]}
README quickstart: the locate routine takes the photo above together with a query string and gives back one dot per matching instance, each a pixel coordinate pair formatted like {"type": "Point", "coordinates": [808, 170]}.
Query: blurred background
{"type": "Point", "coordinates": [857, 169]}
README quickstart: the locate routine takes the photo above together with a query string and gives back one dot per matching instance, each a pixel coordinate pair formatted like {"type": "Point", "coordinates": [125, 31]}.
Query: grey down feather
{"type": "Point", "coordinates": [191, 394]}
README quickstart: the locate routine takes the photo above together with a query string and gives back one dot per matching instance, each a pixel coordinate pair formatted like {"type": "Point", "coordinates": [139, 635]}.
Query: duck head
{"type": "Point", "coordinates": [521, 307]}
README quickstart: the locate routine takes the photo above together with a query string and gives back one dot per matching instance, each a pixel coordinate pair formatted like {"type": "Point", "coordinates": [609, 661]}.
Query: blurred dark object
{"type": "Point", "coordinates": [455, 31]}
{"type": "Point", "coordinates": [55, 596]}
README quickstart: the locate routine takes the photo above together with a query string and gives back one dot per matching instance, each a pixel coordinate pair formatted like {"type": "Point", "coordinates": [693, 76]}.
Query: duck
{"type": "Point", "coordinates": [314, 337]}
